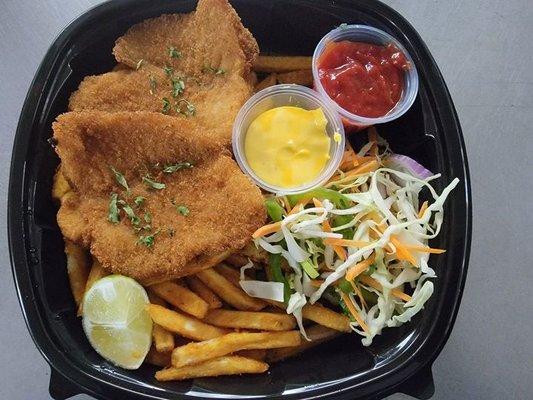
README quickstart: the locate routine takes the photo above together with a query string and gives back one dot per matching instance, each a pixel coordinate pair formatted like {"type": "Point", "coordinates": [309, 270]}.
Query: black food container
{"type": "Point", "coordinates": [398, 361]}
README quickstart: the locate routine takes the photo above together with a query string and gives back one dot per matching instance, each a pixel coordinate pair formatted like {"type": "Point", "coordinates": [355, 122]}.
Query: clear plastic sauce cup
{"type": "Point", "coordinates": [367, 34]}
{"type": "Point", "coordinates": [288, 95]}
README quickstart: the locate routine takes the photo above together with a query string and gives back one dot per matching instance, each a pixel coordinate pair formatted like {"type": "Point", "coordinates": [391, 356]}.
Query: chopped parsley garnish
{"type": "Point", "coordinates": [185, 107]}
{"type": "Point", "coordinates": [113, 209]}
{"type": "Point", "coordinates": [153, 184]}
{"type": "Point", "coordinates": [135, 220]}
{"type": "Point", "coordinates": [183, 210]}
{"type": "Point", "coordinates": [169, 169]}
{"type": "Point", "coordinates": [139, 64]}
{"type": "Point", "coordinates": [173, 53]}
{"type": "Point", "coordinates": [153, 84]}
{"type": "Point", "coordinates": [120, 179]}
{"type": "Point", "coordinates": [178, 86]}
{"type": "Point", "coordinates": [147, 240]}
{"type": "Point", "coordinates": [169, 71]}
{"type": "Point", "coordinates": [210, 69]}
{"type": "Point", "coordinates": [139, 201]}
{"type": "Point", "coordinates": [147, 217]}
{"type": "Point", "coordinates": [166, 106]}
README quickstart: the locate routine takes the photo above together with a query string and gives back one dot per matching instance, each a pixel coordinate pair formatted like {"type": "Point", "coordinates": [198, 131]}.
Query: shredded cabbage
{"type": "Point", "coordinates": [382, 219]}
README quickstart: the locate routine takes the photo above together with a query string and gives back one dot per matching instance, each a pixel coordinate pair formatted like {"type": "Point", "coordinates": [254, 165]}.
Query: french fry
{"type": "Point", "coordinates": [194, 353]}
{"type": "Point", "coordinates": [255, 354]}
{"type": "Point", "coordinates": [317, 333]}
{"type": "Point", "coordinates": [163, 339]}
{"type": "Point", "coordinates": [77, 269]}
{"type": "Point", "coordinates": [198, 287]}
{"type": "Point", "coordinates": [282, 63]}
{"type": "Point", "coordinates": [231, 365]}
{"type": "Point", "coordinates": [269, 80]}
{"type": "Point", "coordinates": [301, 77]}
{"type": "Point", "coordinates": [321, 315]}
{"type": "Point", "coordinates": [228, 292]}
{"type": "Point", "coordinates": [186, 326]}
{"type": "Point", "coordinates": [326, 317]}
{"type": "Point", "coordinates": [182, 298]}
{"type": "Point", "coordinates": [97, 272]}
{"type": "Point", "coordinates": [231, 274]}
{"type": "Point", "coordinates": [262, 321]}
{"type": "Point", "coordinates": [158, 359]}
{"type": "Point", "coordinates": [60, 185]}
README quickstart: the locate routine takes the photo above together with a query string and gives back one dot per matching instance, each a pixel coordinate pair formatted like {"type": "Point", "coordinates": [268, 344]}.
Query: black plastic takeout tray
{"type": "Point", "coordinates": [399, 360]}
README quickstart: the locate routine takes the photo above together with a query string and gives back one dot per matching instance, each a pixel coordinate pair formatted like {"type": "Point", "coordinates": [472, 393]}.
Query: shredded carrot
{"type": "Point", "coordinates": [267, 229]}
{"type": "Point", "coordinates": [360, 267]}
{"type": "Point", "coordinates": [422, 209]}
{"type": "Point", "coordinates": [326, 227]}
{"type": "Point", "coordinates": [299, 206]}
{"type": "Point", "coordinates": [402, 252]}
{"type": "Point", "coordinates": [423, 249]}
{"type": "Point", "coordinates": [354, 312]}
{"type": "Point", "coordinates": [345, 242]}
{"type": "Point", "coordinates": [373, 138]}
{"type": "Point", "coordinates": [357, 291]}
{"type": "Point", "coordinates": [367, 280]}
{"type": "Point", "coordinates": [363, 169]}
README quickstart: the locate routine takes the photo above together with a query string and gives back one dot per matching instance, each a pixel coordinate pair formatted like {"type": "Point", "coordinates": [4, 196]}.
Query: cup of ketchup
{"type": "Point", "coordinates": [366, 74]}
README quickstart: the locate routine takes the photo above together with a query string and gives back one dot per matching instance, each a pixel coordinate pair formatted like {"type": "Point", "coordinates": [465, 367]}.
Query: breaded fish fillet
{"type": "Point", "coordinates": [201, 215]}
{"type": "Point", "coordinates": [208, 52]}
{"type": "Point", "coordinates": [211, 36]}
{"type": "Point", "coordinates": [216, 103]}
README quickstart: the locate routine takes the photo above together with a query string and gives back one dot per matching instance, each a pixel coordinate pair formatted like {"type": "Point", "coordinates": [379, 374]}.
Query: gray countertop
{"type": "Point", "coordinates": [484, 50]}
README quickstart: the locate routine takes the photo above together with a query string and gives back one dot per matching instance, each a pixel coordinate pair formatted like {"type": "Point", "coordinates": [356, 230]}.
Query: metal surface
{"type": "Point", "coordinates": [484, 52]}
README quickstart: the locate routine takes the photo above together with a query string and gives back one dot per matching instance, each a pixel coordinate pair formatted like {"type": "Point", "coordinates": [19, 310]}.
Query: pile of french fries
{"type": "Point", "coordinates": [283, 69]}
{"type": "Point", "coordinates": [205, 324]}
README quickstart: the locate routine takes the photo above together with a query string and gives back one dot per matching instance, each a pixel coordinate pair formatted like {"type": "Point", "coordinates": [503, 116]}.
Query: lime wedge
{"type": "Point", "coordinates": [116, 321]}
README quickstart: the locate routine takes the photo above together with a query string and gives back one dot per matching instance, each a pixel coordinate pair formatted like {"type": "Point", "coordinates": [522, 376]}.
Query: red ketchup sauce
{"type": "Point", "coordinates": [364, 79]}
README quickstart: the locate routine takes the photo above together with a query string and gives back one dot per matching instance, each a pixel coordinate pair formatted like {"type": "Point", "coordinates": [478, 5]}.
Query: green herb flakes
{"type": "Point", "coordinates": [147, 240]}
{"type": "Point", "coordinates": [168, 71]}
{"type": "Point", "coordinates": [153, 184]}
{"type": "Point", "coordinates": [178, 86]}
{"type": "Point", "coordinates": [113, 209]}
{"type": "Point", "coordinates": [173, 53]}
{"type": "Point", "coordinates": [186, 108]}
{"type": "Point", "coordinates": [183, 210]}
{"type": "Point", "coordinates": [147, 217]}
{"type": "Point", "coordinates": [166, 106]}
{"type": "Point", "coordinates": [139, 201]}
{"type": "Point", "coordinates": [209, 69]}
{"type": "Point", "coordinates": [135, 220]}
{"type": "Point", "coordinates": [170, 168]}
{"type": "Point", "coordinates": [121, 179]}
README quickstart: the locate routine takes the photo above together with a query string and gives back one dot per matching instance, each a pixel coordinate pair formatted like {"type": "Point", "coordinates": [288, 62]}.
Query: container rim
{"type": "Point", "coordinates": [296, 91]}
{"type": "Point", "coordinates": [77, 379]}
{"type": "Point", "coordinates": [411, 75]}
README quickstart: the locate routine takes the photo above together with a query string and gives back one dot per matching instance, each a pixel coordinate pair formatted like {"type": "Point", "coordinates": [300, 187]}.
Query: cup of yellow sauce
{"type": "Point", "coordinates": [288, 139]}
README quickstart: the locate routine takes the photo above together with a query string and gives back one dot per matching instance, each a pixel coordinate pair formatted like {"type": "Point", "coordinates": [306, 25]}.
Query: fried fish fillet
{"type": "Point", "coordinates": [208, 52]}
{"type": "Point", "coordinates": [211, 36]}
{"type": "Point", "coordinates": [201, 215]}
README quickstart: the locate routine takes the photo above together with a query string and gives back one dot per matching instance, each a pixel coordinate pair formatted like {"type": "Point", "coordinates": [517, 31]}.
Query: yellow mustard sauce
{"type": "Point", "coordinates": [288, 146]}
